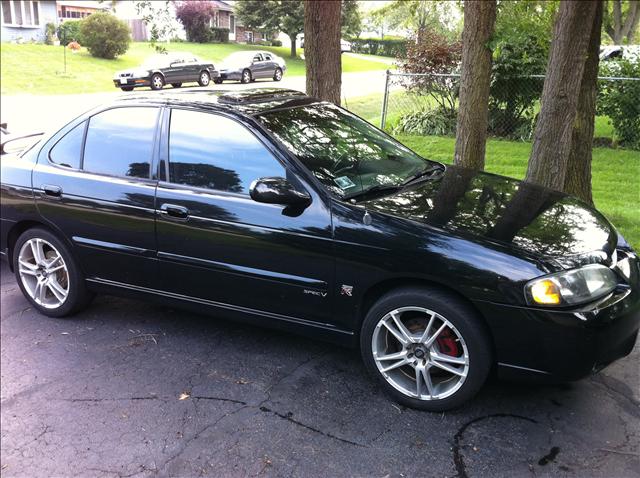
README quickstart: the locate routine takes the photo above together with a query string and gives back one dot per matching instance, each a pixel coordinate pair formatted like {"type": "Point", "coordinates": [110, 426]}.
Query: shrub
{"type": "Point", "coordinates": [425, 122]}
{"type": "Point", "coordinates": [620, 101]}
{"type": "Point", "coordinates": [49, 33]}
{"type": "Point", "coordinates": [514, 93]}
{"type": "Point", "coordinates": [374, 46]}
{"type": "Point", "coordinates": [104, 35]}
{"type": "Point", "coordinates": [69, 31]}
{"type": "Point", "coordinates": [195, 15]}
{"type": "Point", "coordinates": [276, 42]}
{"type": "Point", "coordinates": [219, 35]}
{"type": "Point", "coordinates": [433, 54]}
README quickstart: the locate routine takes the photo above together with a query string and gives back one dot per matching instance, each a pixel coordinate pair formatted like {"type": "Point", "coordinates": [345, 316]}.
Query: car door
{"type": "Point", "coordinates": [93, 184]}
{"type": "Point", "coordinates": [192, 69]}
{"type": "Point", "coordinates": [217, 244]}
{"type": "Point", "coordinates": [257, 66]}
{"type": "Point", "coordinates": [269, 65]}
{"type": "Point", "coordinates": [176, 70]}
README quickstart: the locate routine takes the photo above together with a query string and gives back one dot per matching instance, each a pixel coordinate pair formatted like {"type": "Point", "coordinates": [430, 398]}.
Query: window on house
{"type": "Point", "coordinates": [232, 24]}
{"type": "Point", "coordinates": [249, 36]}
{"type": "Point", "coordinates": [21, 12]}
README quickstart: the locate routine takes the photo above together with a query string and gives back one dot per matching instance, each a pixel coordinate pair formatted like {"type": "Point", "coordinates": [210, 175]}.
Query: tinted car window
{"type": "Point", "coordinates": [214, 152]}
{"type": "Point", "coordinates": [120, 142]}
{"type": "Point", "coordinates": [68, 150]}
{"type": "Point", "coordinates": [267, 57]}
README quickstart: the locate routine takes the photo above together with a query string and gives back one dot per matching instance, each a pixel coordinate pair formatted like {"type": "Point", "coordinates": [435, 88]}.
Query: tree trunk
{"type": "Point", "coordinates": [578, 180]}
{"type": "Point", "coordinates": [471, 132]}
{"type": "Point", "coordinates": [293, 44]}
{"type": "Point", "coordinates": [322, 49]}
{"type": "Point", "coordinates": [559, 102]}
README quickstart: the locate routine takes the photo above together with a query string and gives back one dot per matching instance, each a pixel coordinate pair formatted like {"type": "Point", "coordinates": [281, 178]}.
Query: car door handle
{"type": "Point", "coordinates": [173, 210]}
{"type": "Point", "coordinates": [53, 191]}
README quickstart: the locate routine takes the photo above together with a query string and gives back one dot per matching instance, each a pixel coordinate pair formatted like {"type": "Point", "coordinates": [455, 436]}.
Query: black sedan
{"type": "Point", "coordinates": [162, 69]}
{"type": "Point", "coordinates": [248, 66]}
{"type": "Point", "coordinates": [274, 208]}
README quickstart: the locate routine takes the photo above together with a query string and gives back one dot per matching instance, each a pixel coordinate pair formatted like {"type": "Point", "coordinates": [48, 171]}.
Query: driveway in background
{"type": "Point", "coordinates": [25, 113]}
{"type": "Point", "coordinates": [132, 389]}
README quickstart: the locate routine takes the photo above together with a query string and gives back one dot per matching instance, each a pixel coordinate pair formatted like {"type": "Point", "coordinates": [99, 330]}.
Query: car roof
{"type": "Point", "coordinates": [247, 102]}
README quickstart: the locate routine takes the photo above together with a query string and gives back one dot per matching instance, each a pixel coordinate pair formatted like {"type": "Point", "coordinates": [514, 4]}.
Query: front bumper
{"type": "Point", "coordinates": [230, 75]}
{"type": "Point", "coordinates": [564, 345]}
{"type": "Point", "coordinates": [131, 82]}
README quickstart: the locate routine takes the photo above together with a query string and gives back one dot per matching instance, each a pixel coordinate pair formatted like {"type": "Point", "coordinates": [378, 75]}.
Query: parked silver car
{"type": "Point", "coordinates": [246, 66]}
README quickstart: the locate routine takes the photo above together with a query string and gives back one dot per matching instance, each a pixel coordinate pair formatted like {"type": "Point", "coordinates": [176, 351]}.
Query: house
{"type": "Point", "coordinates": [25, 20]}
{"type": "Point", "coordinates": [223, 17]}
{"type": "Point", "coordinates": [77, 10]}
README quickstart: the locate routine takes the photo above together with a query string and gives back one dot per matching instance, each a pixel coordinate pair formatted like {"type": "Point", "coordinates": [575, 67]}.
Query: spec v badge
{"type": "Point", "coordinates": [346, 290]}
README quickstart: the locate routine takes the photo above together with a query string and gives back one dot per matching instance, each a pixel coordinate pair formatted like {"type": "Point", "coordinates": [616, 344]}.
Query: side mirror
{"type": "Point", "coordinates": [278, 191]}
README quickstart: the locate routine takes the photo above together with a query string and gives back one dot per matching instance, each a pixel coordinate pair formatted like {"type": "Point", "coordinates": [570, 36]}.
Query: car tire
{"type": "Point", "coordinates": [217, 81]}
{"type": "Point", "coordinates": [48, 274]}
{"type": "Point", "coordinates": [126, 88]}
{"type": "Point", "coordinates": [457, 340]}
{"type": "Point", "coordinates": [204, 78]}
{"type": "Point", "coordinates": [157, 82]}
{"type": "Point", "coordinates": [277, 75]}
{"type": "Point", "coordinates": [176, 85]}
{"type": "Point", "coordinates": [246, 76]}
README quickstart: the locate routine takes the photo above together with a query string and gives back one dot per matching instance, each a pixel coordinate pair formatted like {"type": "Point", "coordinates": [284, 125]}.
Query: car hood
{"type": "Point", "coordinates": [534, 219]}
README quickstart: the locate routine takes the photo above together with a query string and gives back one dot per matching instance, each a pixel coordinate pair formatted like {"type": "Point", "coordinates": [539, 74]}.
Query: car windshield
{"type": "Point", "coordinates": [349, 156]}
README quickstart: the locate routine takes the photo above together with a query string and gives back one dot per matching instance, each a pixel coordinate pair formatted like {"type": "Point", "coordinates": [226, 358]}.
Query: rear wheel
{"type": "Point", "coordinates": [427, 348]}
{"type": "Point", "coordinates": [48, 275]}
{"type": "Point", "coordinates": [157, 82]}
{"type": "Point", "coordinates": [126, 88]}
{"type": "Point", "coordinates": [204, 78]}
{"type": "Point", "coordinates": [176, 85]}
{"type": "Point", "coordinates": [246, 77]}
{"type": "Point", "coordinates": [277, 75]}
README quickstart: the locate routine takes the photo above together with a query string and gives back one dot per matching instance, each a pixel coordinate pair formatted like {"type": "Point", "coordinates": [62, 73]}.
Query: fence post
{"type": "Point", "coordinates": [385, 98]}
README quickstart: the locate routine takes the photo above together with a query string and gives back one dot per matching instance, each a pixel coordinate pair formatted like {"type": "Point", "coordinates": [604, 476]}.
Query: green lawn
{"type": "Point", "coordinates": [39, 69]}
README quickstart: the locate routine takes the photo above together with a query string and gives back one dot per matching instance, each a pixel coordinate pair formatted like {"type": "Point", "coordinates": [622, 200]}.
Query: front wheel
{"type": "Point", "coordinates": [427, 348]}
{"type": "Point", "coordinates": [246, 77]}
{"type": "Point", "coordinates": [277, 75]}
{"type": "Point", "coordinates": [126, 88]}
{"type": "Point", "coordinates": [176, 85]}
{"type": "Point", "coordinates": [157, 82]}
{"type": "Point", "coordinates": [204, 78]}
{"type": "Point", "coordinates": [217, 81]}
{"type": "Point", "coordinates": [48, 275]}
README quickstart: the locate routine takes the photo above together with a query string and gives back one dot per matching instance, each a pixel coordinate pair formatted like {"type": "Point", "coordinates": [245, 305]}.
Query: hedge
{"type": "Point", "coordinates": [372, 46]}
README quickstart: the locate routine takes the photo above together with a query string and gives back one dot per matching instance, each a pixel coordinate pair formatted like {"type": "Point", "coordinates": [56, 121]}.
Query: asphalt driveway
{"type": "Point", "coordinates": [132, 389]}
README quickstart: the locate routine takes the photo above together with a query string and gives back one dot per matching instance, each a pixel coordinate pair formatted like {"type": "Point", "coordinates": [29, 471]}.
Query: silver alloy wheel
{"type": "Point", "coordinates": [409, 348]}
{"type": "Point", "coordinates": [278, 74]}
{"type": "Point", "coordinates": [204, 78]}
{"type": "Point", "coordinates": [157, 82]}
{"type": "Point", "coordinates": [246, 76]}
{"type": "Point", "coordinates": [43, 273]}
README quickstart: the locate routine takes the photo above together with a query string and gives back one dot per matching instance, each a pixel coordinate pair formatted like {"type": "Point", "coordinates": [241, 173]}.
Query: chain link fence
{"type": "Point", "coordinates": [427, 104]}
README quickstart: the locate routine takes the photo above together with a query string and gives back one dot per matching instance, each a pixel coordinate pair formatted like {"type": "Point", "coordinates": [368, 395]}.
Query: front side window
{"type": "Point", "coordinates": [214, 152]}
{"type": "Point", "coordinates": [68, 150]}
{"type": "Point", "coordinates": [347, 155]}
{"type": "Point", "coordinates": [120, 142]}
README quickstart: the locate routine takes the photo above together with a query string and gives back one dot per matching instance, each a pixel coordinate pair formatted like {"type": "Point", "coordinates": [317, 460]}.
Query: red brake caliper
{"type": "Point", "coordinates": [447, 343]}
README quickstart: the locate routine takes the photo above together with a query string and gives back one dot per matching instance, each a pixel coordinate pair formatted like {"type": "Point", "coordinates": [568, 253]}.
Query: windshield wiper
{"type": "Point", "coordinates": [430, 171]}
{"type": "Point", "coordinates": [373, 189]}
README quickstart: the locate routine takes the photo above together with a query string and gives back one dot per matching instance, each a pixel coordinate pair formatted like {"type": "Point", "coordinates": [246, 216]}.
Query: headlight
{"type": "Point", "coordinates": [571, 287]}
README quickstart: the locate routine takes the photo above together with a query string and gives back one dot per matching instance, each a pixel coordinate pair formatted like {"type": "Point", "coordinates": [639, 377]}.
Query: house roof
{"type": "Point", "coordinates": [220, 5]}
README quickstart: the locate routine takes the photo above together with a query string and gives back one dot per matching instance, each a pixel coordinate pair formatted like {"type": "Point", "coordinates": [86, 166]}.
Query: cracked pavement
{"type": "Point", "coordinates": [131, 389]}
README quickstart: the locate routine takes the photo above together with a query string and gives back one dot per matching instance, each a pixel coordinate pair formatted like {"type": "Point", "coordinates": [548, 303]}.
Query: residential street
{"type": "Point", "coordinates": [132, 389]}
{"type": "Point", "coordinates": [25, 113]}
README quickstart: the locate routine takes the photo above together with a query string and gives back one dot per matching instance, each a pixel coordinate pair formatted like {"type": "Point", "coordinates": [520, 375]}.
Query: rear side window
{"type": "Point", "coordinates": [214, 152]}
{"type": "Point", "coordinates": [67, 151]}
{"type": "Point", "coordinates": [120, 142]}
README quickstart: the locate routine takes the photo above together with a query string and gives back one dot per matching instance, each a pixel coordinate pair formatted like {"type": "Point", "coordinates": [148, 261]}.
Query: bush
{"type": "Point", "coordinates": [219, 35]}
{"type": "Point", "coordinates": [49, 33]}
{"type": "Point", "coordinates": [426, 122]}
{"type": "Point", "coordinates": [276, 42]}
{"type": "Point", "coordinates": [69, 31]}
{"type": "Point", "coordinates": [514, 94]}
{"type": "Point", "coordinates": [620, 101]}
{"type": "Point", "coordinates": [104, 35]}
{"type": "Point", "coordinates": [379, 47]}
{"type": "Point", "coordinates": [195, 16]}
